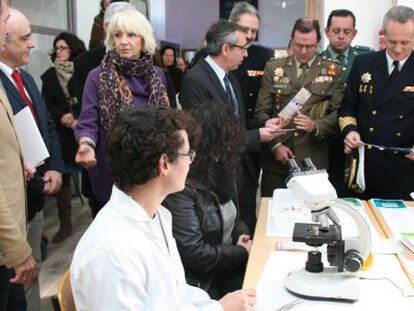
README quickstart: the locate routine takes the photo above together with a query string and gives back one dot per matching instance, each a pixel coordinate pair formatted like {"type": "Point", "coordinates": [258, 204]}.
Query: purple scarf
{"type": "Point", "coordinates": [114, 93]}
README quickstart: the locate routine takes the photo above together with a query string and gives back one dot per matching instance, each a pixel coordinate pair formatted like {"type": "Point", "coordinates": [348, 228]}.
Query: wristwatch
{"type": "Point", "coordinates": [89, 143]}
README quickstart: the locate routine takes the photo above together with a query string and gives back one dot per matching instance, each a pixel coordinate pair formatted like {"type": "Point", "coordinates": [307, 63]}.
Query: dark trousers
{"type": "Point", "coordinates": [11, 295]}
{"type": "Point", "coordinates": [247, 186]}
{"type": "Point", "coordinates": [224, 283]}
{"type": "Point", "coordinates": [336, 168]}
{"type": "Point", "coordinates": [271, 181]}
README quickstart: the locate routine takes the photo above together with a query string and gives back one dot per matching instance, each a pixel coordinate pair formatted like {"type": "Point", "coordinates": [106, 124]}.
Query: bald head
{"type": "Point", "coordinates": [19, 41]}
{"type": "Point", "coordinates": [4, 16]}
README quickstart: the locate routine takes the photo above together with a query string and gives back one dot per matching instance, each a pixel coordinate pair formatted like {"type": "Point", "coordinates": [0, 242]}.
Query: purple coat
{"type": "Point", "coordinates": [89, 126]}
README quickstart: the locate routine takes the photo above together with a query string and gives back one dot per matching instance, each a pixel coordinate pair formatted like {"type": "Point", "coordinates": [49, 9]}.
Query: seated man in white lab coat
{"type": "Point", "coordinates": [128, 259]}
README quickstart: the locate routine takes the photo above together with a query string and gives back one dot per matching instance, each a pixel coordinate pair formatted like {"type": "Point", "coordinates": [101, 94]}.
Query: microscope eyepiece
{"type": "Point", "coordinates": [293, 166]}
{"type": "Point", "coordinates": [308, 165]}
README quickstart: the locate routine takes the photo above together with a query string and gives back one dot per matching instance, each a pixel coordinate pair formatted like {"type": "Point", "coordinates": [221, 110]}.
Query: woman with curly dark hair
{"type": "Point", "coordinates": [64, 109]}
{"type": "Point", "coordinates": [214, 243]}
{"type": "Point", "coordinates": [168, 59]}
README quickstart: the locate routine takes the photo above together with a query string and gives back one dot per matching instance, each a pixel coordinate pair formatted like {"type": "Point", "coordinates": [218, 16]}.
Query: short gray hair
{"type": "Point", "coordinates": [398, 13]}
{"type": "Point", "coordinates": [220, 33]}
{"type": "Point", "coordinates": [116, 7]}
{"type": "Point", "coordinates": [241, 8]}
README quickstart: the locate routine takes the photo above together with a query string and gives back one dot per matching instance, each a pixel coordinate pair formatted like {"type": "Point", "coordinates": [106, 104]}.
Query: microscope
{"type": "Point", "coordinates": [339, 280]}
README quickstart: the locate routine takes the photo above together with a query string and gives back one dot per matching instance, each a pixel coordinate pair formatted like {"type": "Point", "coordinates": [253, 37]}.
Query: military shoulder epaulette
{"type": "Point", "coordinates": [363, 48]}
{"type": "Point", "coordinates": [328, 59]}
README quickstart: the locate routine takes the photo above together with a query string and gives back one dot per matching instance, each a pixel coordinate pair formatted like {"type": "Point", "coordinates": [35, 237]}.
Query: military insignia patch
{"type": "Point", "coordinates": [366, 77]}
{"type": "Point", "coordinates": [332, 70]}
{"type": "Point", "coordinates": [409, 89]}
{"type": "Point", "coordinates": [279, 72]}
{"type": "Point", "coordinates": [255, 73]}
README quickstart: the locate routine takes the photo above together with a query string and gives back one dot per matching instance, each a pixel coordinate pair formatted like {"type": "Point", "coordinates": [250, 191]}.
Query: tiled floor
{"type": "Point", "coordinates": [59, 255]}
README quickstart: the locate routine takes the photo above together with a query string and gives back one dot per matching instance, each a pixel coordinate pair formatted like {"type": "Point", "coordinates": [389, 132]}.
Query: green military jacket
{"type": "Point", "coordinates": [279, 85]}
{"type": "Point", "coordinates": [353, 52]}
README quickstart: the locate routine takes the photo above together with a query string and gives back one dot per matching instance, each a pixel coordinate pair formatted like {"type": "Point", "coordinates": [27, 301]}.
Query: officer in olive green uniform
{"type": "Point", "coordinates": [340, 31]}
{"type": "Point", "coordinates": [347, 57]}
{"type": "Point", "coordinates": [279, 85]}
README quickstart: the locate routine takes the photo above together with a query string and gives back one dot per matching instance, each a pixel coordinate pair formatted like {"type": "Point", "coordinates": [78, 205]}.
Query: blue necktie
{"type": "Point", "coordinates": [231, 96]}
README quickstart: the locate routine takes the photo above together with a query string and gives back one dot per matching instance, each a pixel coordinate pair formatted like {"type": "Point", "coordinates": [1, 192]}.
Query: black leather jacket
{"type": "Point", "coordinates": [198, 230]}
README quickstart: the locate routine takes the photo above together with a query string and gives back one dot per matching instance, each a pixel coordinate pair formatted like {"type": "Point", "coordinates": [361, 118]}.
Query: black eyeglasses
{"type": "Point", "coordinates": [191, 155]}
{"type": "Point", "coordinates": [62, 48]}
{"type": "Point", "coordinates": [241, 47]}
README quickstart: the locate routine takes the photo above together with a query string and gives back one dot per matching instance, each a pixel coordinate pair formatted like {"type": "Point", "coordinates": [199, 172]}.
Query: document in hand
{"type": "Point", "coordinates": [295, 103]}
{"type": "Point", "coordinates": [31, 141]}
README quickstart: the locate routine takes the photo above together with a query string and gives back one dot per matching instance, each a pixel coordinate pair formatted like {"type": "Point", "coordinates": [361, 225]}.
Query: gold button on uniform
{"type": "Point", "coordinates": [371, 129]}
{"type": "Point", "coordinates": [374, 112]}
{"type": "Point", "coordinates": [369, 147]}
{"type": "Point", "coordinates": [296, 134]}
{"type": "Point", "coordinates": [401, 117]}
{"type": "Point", "coordinates": [398, 134]}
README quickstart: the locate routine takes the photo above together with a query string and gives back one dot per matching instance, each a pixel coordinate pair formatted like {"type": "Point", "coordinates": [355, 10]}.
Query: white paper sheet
{"type": "Point", "coordinates": [33, 147]}
{"type": "Point", "coordinates": [285, 210]}
{"type": "Point", "coordinates": [375, 294]}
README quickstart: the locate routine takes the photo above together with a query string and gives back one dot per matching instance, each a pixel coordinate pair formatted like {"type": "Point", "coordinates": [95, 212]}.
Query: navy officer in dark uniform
{"type": "Point", "coordinates": [378, 109]}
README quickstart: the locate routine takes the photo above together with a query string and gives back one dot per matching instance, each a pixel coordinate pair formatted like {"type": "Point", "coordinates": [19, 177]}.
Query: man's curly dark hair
{"type": "Point", "coordinates": [138, 139]}
{"type": "Point", "coordinates": [219, 145]}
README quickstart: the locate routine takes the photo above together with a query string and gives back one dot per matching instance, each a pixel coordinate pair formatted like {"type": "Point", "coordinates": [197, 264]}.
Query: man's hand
{"type": "Point", "coordinates": [267, 134]}
{"type": "Point", "coordinates": [240, 300]}
{"type": "Point", "coordinates": [29, 171]}
{"type": "Point", "coordinates": [352, 141]}
{"type": "Point", "coordinates": [25, 272]}
{"type": "Point", "coordinates": [410, 156]}
{"type": "Point", "coordinates": [304, 123]}
{"type": "Point", "coordinates": [282, 154]}
{"type": "Point", "coordinates": [85, 156]}
{"type": "Point", "coordinates": [245, 241]}
{"type": "Point", "coordinates": [67, 119]}
{"type": "Point", "coordinates": [53, 182]}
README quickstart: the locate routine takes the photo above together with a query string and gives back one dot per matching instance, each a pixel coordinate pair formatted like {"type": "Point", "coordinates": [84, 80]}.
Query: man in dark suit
{"type": "Point", "coordinates": [378, 109]}
{"type": "Point", "coordinates": [22, 91]}
{"type": "Point", "coordinates": [211, 79]}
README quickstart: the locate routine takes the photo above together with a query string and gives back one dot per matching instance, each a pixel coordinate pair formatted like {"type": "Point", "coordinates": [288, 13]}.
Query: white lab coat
{"type": "Point", "coordinates": [122, 262]}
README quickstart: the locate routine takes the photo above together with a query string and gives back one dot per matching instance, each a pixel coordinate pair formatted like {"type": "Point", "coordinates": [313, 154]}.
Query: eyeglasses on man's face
{"type": "Point", "coordinates": [300, 47]}
{"type": "Point", "coordinates": [241, 47]}
{"type": "Point", "coordinates": [191, 154]}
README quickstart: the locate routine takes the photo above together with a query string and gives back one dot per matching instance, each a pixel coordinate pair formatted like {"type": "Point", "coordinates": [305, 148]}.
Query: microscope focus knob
{"type": "Point", "coordinates": [353, 261]}
{"type": "Point", "coordinates": [314, 263]}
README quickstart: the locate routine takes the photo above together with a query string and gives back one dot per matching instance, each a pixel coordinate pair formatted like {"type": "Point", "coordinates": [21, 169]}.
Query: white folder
{"type": "Point", "coordinates": [31, 141]}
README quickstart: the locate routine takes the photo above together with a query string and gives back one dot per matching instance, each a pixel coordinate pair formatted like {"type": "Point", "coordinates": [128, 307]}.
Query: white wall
{"type": "Point", "coordinates": [85, 13]}
{"type": "Point", "coordinates": [277, 23]}
{"type": "Point", "coordinates": [157, 17]}
{"type": "Point", "coordinates": [86, 10]}
{"type": "Point", "coordinates": [368, 13]}
{"type": "Point", "coordinates": [409, 3]}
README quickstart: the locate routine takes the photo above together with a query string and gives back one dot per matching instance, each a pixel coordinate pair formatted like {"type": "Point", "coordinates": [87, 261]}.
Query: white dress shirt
{"type": "Point", "coordinates": [391, 65]}
{"type": "Point", "coordinates": [128, 261]}
{"type": "Point", "coordinates": [8, 71]}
